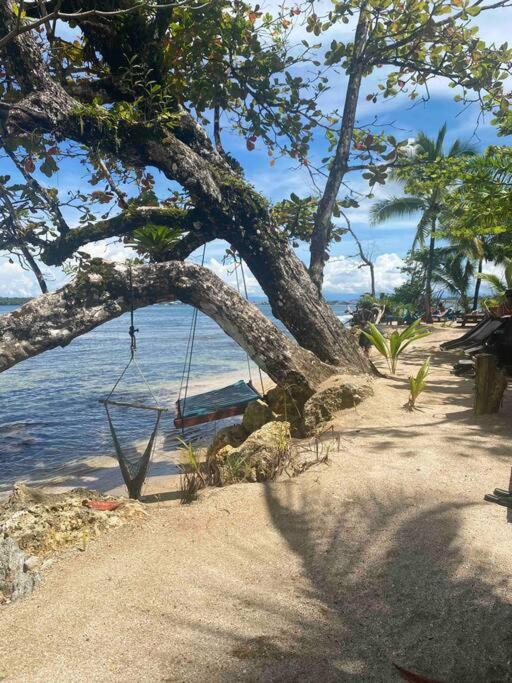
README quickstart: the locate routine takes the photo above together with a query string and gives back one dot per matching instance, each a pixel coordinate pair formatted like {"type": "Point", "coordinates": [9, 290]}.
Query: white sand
{"type": "Point", "coordinates": [387, 554]}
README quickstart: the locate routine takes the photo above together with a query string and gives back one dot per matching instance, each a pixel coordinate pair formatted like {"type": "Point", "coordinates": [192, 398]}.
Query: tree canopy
{"type": "Point", "coordinates": [136, 90]}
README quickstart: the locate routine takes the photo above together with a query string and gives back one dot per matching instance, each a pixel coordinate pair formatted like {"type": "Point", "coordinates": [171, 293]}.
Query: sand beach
{"type": "Point", "coordinates": [387, 554]}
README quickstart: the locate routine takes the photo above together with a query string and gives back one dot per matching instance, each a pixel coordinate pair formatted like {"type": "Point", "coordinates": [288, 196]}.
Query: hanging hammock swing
{"type": "Point", "coordinates": [218, 404]}
{"type": "Point", "coordinates": [133, 468]}
{"type": "Point", "coordinates": [194, 410]}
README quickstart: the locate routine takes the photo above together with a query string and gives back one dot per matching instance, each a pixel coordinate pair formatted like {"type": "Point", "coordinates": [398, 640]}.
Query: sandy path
{"type": "Point", "coordinates": [388, 553]}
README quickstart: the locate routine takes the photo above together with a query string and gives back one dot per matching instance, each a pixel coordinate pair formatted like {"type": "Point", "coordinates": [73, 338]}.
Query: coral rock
{"type": "Point", "coordinates": [228, 436]}
{"type": "Point", "coordinates": [16, 581]}
{"type": "Point", "coordinates": [259, 458]}
{"type": "Point", "coordinates": [256, 415]}
{"type": "Point", "coordinates": [337, 393]}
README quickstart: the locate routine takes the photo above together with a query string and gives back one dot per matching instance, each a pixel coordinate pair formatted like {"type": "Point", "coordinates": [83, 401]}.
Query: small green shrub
{"type": "Point", "coordinates": [193, 477]}
{"type": "Point", "coordinates": [393, 347]}
{"type": "Point", "coordinates": [417, 384]}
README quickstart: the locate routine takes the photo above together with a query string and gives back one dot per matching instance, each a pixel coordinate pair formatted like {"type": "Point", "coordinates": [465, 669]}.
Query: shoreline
{"type": "Point", "coordinates": [331, 575]}
{"type": "Point", "coordinates": [101, 471]}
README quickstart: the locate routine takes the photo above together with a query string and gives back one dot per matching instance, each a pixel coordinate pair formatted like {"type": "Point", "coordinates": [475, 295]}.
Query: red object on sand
{"type": "Point", "coordinates": [412, 677]}
{"type": "Point", "coordinates": [104, 505]}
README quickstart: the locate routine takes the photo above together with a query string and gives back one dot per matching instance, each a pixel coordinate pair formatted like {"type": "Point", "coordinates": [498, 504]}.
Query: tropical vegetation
{"type": "Point", "coordinates": [393, 346]}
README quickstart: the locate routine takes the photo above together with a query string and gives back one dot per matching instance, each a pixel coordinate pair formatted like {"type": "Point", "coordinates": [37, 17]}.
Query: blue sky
{"type": "Point", "coordinates": [387, 243]}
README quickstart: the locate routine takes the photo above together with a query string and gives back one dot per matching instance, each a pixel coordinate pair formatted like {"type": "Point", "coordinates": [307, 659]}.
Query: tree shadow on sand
{"type": "Point", "coordinates": [384, 579]}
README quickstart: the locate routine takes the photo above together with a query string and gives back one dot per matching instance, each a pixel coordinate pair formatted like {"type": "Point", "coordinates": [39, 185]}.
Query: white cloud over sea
{"type": "Point", "coordinates": [343, 274]}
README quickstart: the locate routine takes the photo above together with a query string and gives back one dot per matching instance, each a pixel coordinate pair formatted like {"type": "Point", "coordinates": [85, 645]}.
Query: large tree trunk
{"type": "Point", "coordinates": [221, 198]}
{"type": "Point", "coordinates": [321, 235]}
{"type": "Point", "coordinates": [103, 293]}
{"type": "Point", "coordinates": [296, 301]}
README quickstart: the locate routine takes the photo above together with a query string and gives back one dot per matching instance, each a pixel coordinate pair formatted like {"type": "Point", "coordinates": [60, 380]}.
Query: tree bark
{"type": "Point", "coordinates": [490, 384]}
{"type": "Point", "coordinates": [223, 200]}
{"type": "Point", "coordinates": [103, 293]}
{"type": "Point", "coordinates": [477, 286]}
{"type": "Point", "coordinates": [296, 301]}
{"type": "Point", "coordinates": [321, 235]}
{"type": "Point", "coordinates": [428, 280]}
{"type": "Point", "coordinates": [34, 267]}
{"type": "Point", "coordinates": [372, 278]}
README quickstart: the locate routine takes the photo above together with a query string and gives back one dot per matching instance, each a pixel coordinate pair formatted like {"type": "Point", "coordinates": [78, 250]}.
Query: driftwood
{"type": "Point", "coordinates": [490, 384]}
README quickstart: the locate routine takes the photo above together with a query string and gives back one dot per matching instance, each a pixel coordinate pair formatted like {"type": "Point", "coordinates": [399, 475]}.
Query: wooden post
{"type": "Point", "coordinates": [490, 384]}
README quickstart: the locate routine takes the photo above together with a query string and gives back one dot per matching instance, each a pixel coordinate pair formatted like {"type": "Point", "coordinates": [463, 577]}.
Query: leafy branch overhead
{"type": "Point", "coordinates": [146, 100]}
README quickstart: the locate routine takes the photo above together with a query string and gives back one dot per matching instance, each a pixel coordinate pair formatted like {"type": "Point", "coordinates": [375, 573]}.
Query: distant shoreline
{"type": "Point", "coordinates": [20, 300]}
{"type": "Point", "coordinates": [13, 300]}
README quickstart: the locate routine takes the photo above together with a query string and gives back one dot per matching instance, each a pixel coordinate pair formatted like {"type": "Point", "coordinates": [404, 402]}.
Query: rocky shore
{"type": "Point", "coordinates": [36, 526]}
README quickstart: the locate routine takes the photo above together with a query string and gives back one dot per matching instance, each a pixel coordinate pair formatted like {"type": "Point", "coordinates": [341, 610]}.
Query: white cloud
{"type": "Point", "coordinates": [15, 281]}
{"type": "Point", "coordinates": [111, 251]}
{"type": "Point", "coordinates": [343, 275]}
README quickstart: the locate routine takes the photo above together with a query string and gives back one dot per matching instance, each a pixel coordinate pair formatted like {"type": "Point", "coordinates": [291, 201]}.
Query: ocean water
{"type": "Point", "coordinates": [50, 413]}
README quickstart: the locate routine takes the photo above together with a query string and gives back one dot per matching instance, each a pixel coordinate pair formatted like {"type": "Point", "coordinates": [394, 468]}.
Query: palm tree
{"type": "Point", "coordinates": [455, 272]}
{"type": "Point", "coordinates": [429, 205]}
{"type": "Point", "coordinates": [497, 284]}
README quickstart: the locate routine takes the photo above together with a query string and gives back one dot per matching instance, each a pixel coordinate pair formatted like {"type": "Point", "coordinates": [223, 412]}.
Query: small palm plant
{"type": "Point", "coordinates": [417, 384]}
{"type": "Point", "coordinates": [393, 347]}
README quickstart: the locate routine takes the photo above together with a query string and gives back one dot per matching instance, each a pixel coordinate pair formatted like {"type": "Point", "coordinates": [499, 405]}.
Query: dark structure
{"type": "Point", "coordinates": [491, 335]}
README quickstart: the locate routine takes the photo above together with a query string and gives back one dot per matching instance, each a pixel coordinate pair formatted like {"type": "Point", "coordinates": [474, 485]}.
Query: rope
{"type": "Point", "coordinates": [132, 330]}
{"type": "Point", "coordinates": [185, 376]}
{"type": "Point", "coordinates": [238, 288]}
{"type": "Point", "coordinates": [247, 298]}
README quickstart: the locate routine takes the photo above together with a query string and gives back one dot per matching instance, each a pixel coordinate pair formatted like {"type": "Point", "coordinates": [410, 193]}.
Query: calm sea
{"type": "Point", "coordinates": [50, 413]}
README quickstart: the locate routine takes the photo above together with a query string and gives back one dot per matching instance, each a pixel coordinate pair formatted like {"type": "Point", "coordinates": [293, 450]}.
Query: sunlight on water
{"type": "Point", "coordinates": [50, 413]}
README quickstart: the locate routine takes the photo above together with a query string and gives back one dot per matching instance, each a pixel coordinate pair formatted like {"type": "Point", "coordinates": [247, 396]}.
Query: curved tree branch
{"type": "Point", "coordinates": [56, 252]}
{"type": "Point", "coordinates": [56, 14]}
{"type": "Point", "coordinates": [103, 293]}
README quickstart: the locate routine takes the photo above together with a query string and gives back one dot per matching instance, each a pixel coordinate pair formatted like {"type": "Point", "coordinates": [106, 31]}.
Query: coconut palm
{"type": "Point", "coordinates": [429, 205]}
{"type": "Point", "coordinates": [498, 284]}
{"type": "Point", "coordinates": [455, 273]}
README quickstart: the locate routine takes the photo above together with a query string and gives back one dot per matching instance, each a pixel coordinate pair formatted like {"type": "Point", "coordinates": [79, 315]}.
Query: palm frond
{"type": "Point", "coordinates": [438, 150]}
{"type": "Point", "coordinates": [426, 146]}
{"type": "Point", "coordinates": [496, 284]}
{"type": "Point", "coordinates": [394, 207]}
{"type": "Point", "coordinates": [422, 232]}
{"type": "Point", "coordinates": [507, 262]}
{"type": "Point", "coordinates": [462, 148]}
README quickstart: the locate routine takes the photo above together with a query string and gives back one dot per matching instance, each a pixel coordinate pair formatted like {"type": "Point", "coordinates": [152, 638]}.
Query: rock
{"type": "Point", "coordinates": [32, 563]}
{"type": "Point", "coordinates": [228, 436]}
{"type": "Point", "coordinates": [259, 458]}
{"type": "Point", "coordinates": [15, 581]}
{"type": "Point", "coordinates": [256, 415]}
{"type": "Point", "coordinates": [42, 523]}
{"type": "Point", "coordinates": [337, 393]}
{"type": "Point", "coordinates": [288, 408]}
